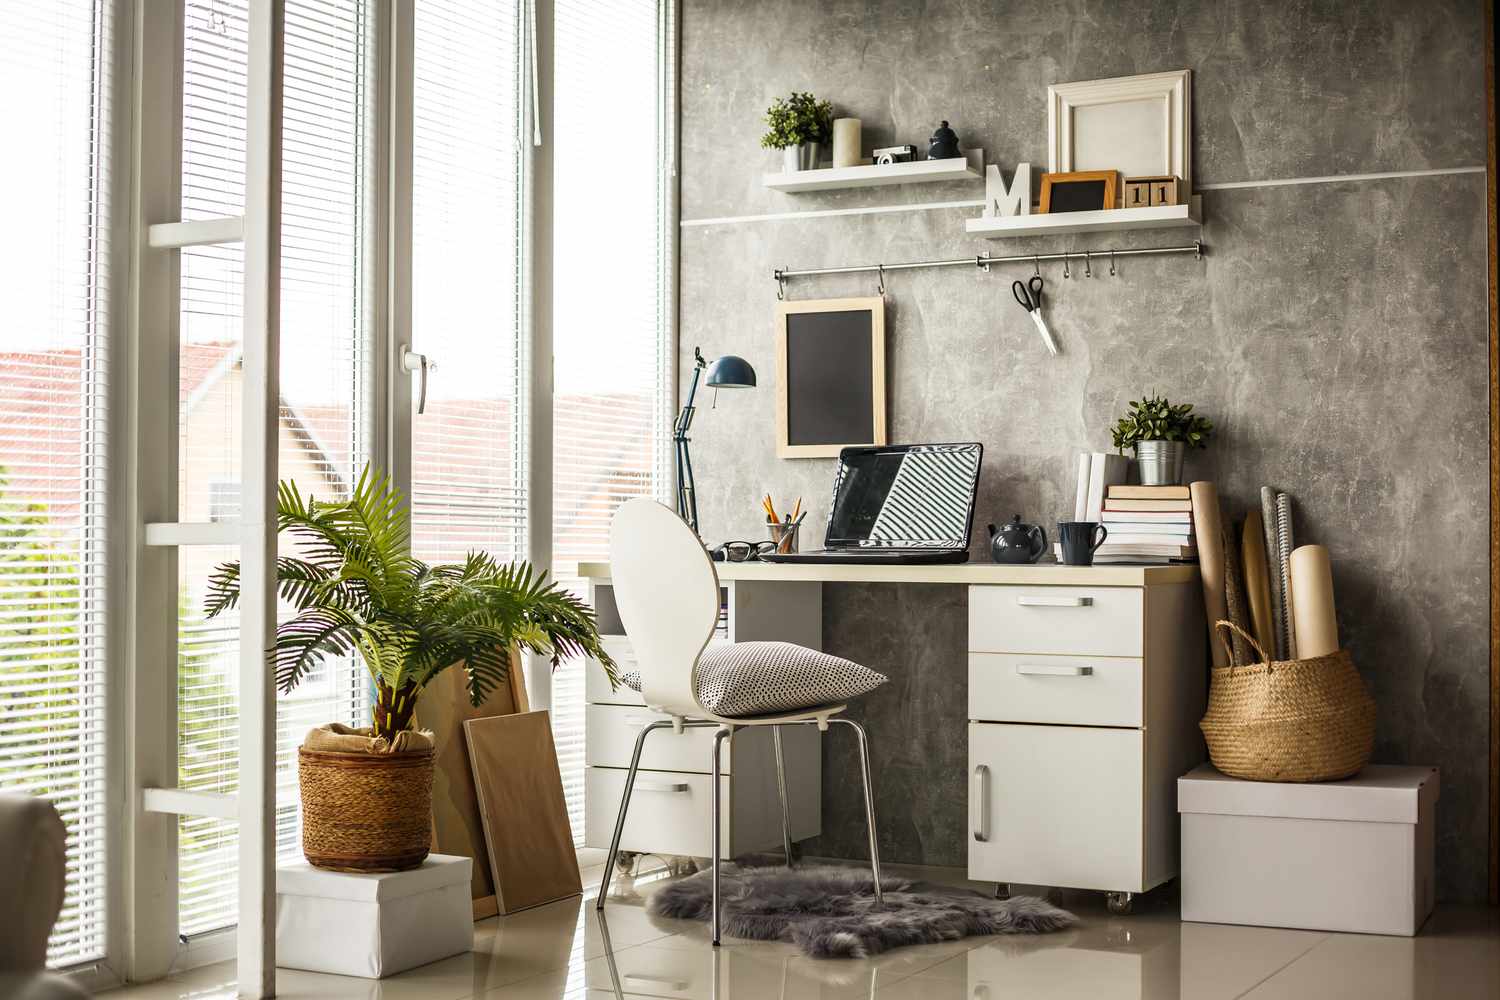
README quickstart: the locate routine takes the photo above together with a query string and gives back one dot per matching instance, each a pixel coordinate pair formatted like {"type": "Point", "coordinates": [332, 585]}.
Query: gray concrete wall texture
{"type": "Point", "coordinates": [1334, 332]}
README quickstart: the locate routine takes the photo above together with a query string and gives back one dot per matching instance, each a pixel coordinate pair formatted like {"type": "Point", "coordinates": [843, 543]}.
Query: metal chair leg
{"type": "Point", "coordinates": [864, 761]}
{"type": "Point", "coordinates": [786, 813]}
{"type": "Point", "coordinates": [714, 827]}
{"type": "Point", "coordinates": [614, 842]}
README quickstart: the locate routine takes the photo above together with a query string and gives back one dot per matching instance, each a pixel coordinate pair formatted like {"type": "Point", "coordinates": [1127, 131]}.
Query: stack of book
{"type": "Point", "coordinates": [1147, 524]}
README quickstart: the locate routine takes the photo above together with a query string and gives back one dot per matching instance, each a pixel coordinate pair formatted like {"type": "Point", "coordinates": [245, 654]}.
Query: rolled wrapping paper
{"type": "Point", "coordinates": [1312, 602]}
{"type": "Point", "coordinates": [1276, 648]}
{"type": "Point", "coordinates": [1234, 597]}
{"type": "Point", "coordinates": [1258, 580]}
{"type": "Point", "coordinates": [1284, 563]}
{"type": "Point", "coordinates": [846, 142]}
{"type": "Point", "coordinates": [1207, 528]}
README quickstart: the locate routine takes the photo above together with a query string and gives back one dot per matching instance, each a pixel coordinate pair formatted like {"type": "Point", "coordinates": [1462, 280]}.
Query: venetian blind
{"type": "Point", "coordinates": [610, 324]}
{"type": "Point", "coordinates": [325, 379]}
{"type": "Point", "coordinates": [469, 467]}
{"type": "Point", "coordinates": [55, 371]}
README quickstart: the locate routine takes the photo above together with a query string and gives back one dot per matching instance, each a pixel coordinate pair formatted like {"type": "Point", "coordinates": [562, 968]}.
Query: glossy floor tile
{"type": "Point", "coordinates": [565, 951]}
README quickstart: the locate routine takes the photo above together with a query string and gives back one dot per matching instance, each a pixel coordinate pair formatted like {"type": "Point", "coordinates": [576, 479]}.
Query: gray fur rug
{"type": "Point", "coordinates": [830, 912]}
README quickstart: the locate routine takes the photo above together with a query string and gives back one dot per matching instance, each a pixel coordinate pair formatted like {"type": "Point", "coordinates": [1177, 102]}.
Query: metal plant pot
{"type": "Point", "coordinates": [803, 157]}
{"type": "Point", "coordinates": [1160, 462]}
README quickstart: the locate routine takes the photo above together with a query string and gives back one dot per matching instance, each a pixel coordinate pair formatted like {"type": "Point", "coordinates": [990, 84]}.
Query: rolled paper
{"type": "Point", "coordinates": [1276, 648]}
{"type": "Point", "coordinates": [1207, 529]}
{"type": "Point", "coordinates": [1258, 581]}
{"type": "Point", "coordinates": [1284, 565]}
{"type": "Point", "coordinates": [1234, 597]}
{"type": "Point", "coordinates": [846, 140]}
{"type": "Point", "coordinates": [1312, 602]}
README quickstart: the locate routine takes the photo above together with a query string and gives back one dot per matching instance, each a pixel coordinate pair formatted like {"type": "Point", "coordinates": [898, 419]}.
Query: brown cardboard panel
{"type": "Point", "coordinates": [524, 813]}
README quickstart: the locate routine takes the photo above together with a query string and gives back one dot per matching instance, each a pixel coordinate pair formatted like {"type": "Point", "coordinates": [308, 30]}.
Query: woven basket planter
{"type": "Point", "coordinates": [366, 812]}
{"type": "Point", "coordinates": [1289, 720]}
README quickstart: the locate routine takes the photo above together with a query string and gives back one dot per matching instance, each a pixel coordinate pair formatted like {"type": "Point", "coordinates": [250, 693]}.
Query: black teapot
{"type": "Point", "coordinates": [1017, 543]}
{"type": "Point", "coordinates": [944, 144]}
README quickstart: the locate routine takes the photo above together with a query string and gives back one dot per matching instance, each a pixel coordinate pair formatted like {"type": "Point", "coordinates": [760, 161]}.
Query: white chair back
{"type": "Point", "coordinates": [667, 592]}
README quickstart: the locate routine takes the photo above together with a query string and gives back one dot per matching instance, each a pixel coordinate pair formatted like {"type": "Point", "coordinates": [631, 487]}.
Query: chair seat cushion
{"type": "Point", "coordinates": [736, 679]}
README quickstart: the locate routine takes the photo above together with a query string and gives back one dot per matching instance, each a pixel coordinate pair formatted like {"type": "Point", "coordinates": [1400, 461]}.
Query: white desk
{"type": "Point", "coordinates": [1086, 684]}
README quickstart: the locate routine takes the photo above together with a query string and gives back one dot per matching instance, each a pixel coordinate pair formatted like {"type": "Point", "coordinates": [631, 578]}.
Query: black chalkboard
{"type": "Point", "coordinates": [833, 363]}
{"type": "Point", "coordinates": [1077, 196]}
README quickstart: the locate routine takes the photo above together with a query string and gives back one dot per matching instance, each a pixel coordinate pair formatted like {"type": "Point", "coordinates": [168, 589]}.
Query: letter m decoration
{"type": "Point", "coordinates": [1014, 200]}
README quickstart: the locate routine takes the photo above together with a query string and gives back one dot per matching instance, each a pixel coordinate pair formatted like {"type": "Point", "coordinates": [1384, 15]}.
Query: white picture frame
{"type": "Point", "coordinates": [1138, 125]}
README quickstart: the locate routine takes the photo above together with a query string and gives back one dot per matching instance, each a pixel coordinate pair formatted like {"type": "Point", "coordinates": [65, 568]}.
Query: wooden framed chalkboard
{"type": "Point", "coordinates": [830, 363]}
{"type": "Point", "coordinates": [1080, 191]}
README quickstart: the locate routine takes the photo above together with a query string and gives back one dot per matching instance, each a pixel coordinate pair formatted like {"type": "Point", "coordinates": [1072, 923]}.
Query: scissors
{"type": "Point", "coordinates": [1029, 295]}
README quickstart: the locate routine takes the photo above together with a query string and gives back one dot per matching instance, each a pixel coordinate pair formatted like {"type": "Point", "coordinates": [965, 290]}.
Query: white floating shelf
{"type": "Point", "coordinates": [1002, 227]}
{"type": "Point", "coordinates": [968, 167]}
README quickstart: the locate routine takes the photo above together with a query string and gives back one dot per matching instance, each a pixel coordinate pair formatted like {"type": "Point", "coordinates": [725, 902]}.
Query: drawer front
{"type": "Point", "coordinates": [596, 684]}
{"type": "Point", "coordinates": [1067, 621]}
{"type": "Point", "coordinates": [669, 812]}
{"type": "Point", "coordinates": [612, 731]}
{"type": "Point", "coordinates": [1066, 690]}
{"type": "Point", "coordinates": [1056, 805]}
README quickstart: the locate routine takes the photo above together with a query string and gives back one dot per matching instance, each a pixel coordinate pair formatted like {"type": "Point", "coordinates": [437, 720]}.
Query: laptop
{"type": "Point", "coordinates": [902, 504]}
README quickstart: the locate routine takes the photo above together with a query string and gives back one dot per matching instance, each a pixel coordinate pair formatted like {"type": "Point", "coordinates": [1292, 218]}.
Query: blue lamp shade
{"type": "Point", "coordinates": [730, 372]}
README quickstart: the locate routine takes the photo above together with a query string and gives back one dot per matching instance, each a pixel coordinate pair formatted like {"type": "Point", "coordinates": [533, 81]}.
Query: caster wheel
{"type": "Point", "coordinates": [1119, 903]}
{"type": "Point", "coordinates": [1002, 890]}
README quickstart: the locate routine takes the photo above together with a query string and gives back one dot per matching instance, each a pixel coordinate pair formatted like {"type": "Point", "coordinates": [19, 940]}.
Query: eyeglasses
{"type": "Point", "coordinates": [742, 551]}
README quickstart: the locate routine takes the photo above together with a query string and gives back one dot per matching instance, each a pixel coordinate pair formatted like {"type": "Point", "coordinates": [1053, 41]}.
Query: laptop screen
{"type": "Point", "coordinates": [919, 495]}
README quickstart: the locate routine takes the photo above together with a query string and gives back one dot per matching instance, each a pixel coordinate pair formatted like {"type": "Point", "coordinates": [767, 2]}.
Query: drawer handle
{"type": "Point", "coordinates": [979, 805]}
{"type": "Point", "coordinates": [1052, 670]}
{"type": "Point", "coordinates": [675, 985]}
{"type": "Point", "coordinates": [1054, 602]}
{"type": "Point", "coordinates": [662, 786]}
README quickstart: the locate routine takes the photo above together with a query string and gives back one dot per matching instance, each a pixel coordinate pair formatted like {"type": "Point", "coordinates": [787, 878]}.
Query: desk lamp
{"type": "Point", "coordinates": [728, 372]}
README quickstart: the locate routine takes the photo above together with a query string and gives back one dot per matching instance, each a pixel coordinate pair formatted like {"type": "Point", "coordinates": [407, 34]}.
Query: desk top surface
{"type": "Point", "coordinates": [1041, 574]}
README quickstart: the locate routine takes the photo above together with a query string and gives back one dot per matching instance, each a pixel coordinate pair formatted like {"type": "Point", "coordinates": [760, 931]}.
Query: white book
{"type": "Point", "coordinates": [1105, 470]}
{"type": "Point", "coordinates": [1145, 549]}
{"type": "Point", "coordinates": [1159, 516]}
{"type": "Point", "coordinates": [1148, 528]}
{"type": "Point", "coordinates": [1145, 538]}
{"type": "Point", "coordinates": [1081, 492]}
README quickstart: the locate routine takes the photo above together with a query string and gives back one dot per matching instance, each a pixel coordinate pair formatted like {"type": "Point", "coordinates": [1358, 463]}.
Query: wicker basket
{"type": "Point", "coordinates": [1288, 720]}
{"type": "Point", "coordinates": [366, 812]}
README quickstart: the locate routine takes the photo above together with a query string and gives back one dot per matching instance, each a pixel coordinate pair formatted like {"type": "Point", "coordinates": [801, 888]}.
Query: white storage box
{"type": "Point", "coordinates": [1352, 855]}
{"type": "Point", "coordinates": [373, 925]}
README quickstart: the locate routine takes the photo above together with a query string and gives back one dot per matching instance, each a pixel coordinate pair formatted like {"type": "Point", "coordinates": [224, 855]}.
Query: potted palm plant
{"type": "Point", "coordinates": [1161, 431]}
{"type": "Point", "coordinates": [798, 126]}
{"type": "Point", "coordinates": [355, 589]}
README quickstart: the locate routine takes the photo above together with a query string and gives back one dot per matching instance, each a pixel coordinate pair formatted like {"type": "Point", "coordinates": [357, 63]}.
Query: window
{"type": "Point", "coordinates": [326, 411]}
{"type": "Point", "coordinates": [469, 469]}
{"type": "Point", "coordinates": [611, 324]}
{"type": "Point", "coordinates": [55, 366]}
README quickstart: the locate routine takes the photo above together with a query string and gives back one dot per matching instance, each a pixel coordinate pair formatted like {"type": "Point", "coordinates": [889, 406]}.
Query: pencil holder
{"type": "Point", "coordinates": [784, 536]}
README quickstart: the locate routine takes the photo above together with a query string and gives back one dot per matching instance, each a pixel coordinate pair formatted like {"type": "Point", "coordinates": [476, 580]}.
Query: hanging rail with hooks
{"type": "Point", "coordinates": [984, 260]}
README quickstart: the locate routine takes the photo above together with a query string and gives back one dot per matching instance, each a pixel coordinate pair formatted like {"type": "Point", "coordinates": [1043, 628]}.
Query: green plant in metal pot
{"type": "Point", "coordinates": [1160, 431]}
{"type": "Point", "coordinates": [794, 120]}
{"type": "Point", "coordinates": [355, 587]}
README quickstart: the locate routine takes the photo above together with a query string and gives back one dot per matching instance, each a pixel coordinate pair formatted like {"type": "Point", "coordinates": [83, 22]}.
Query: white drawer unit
{"type": "Point", "coordinates": [1084, 704]}
{"type": "Point", "coordinates": [670, 811]}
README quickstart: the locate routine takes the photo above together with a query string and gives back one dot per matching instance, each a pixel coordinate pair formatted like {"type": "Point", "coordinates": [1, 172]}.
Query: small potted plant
{"type": "Point", "coordinates": [798, 126]}
{"type": "Point", "coordinates": [356, 590]}
{"type": "Point", "coordinates": [1161, 432]}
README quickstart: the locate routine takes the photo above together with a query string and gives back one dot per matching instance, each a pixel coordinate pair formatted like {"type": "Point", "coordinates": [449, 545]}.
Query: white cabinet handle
{"type": "Point", "coordinates": [661, 786]}
{"type": "Point", "coordinates": [979, 804]}
{"type": "Point", "coordinates": [1052, 670]}
{"type": "Point", "coordinates": [1054, 602]}
{"type": "Point", "coordinates": [675, 985]}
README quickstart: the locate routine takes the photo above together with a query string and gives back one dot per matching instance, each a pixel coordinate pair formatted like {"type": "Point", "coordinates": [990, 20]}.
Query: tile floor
{"type": "Point", "coordinates": [564, 952]}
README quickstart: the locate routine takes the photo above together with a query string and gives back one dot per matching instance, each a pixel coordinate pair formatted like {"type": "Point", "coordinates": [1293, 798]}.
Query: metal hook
{"type": "Point", "coordinates": [1197, 249]}
{"type": "Point", "coordinates": [1065, 267]}
{"type": "Point", "coordinates": [780, 286]}
{"type": "Point", "coordinates": [982, 261]}
{"type": "Point", "coordinates": [1088, 269]}
{"type": "Point", "coordinates": [880, 269]}
{"type": "Point", "coordinates": [1036, 265]}
{"type": "Point", "coordinates": [1111, 263]}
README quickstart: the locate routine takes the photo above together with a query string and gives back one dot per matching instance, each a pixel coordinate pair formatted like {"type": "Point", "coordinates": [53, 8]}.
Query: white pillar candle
{"type": "Point", "coordinates": [846, 142]}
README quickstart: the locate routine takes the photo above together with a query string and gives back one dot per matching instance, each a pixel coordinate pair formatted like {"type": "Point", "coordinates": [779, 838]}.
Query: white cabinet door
{"type": "Point", "coordinates": [1068, 621]}
{"type": "Point", "coordinates": [1067, 690]}
{"type": "Point", "coordinates": [1056, 805]}
{"type": "Point", "coordinates": [669, 812]}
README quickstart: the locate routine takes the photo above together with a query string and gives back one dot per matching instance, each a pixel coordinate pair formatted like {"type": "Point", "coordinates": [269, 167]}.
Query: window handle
{"type": "Point", "coordinates": [411, 361]}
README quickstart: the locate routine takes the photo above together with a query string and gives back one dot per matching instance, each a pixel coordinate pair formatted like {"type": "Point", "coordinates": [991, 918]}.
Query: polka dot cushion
{"type": "Point", "coordinates": [761, 678]}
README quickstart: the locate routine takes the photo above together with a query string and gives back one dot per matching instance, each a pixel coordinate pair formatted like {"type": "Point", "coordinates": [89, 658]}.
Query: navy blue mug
{"type": "Point", "coordinates": [1078, 540]}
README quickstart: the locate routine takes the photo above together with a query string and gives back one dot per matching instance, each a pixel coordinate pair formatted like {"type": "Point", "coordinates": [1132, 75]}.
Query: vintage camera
{"type": "Point", "coordinates": [895, 154]}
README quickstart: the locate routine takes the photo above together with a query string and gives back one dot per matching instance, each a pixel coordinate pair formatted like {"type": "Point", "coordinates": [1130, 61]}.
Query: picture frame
{"type": "Point", "coordinates": [830, 376]}
{"type": "Point", "coordinates": [1080, 191]}
{"type": "Point", "coordinates": [1138, 125]}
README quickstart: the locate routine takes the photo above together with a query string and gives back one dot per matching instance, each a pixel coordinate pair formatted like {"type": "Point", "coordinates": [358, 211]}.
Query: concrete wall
{"type": "Point", "coordinates": [1335, 332]}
